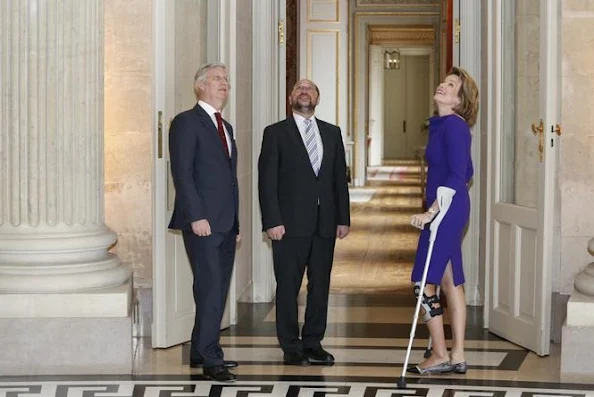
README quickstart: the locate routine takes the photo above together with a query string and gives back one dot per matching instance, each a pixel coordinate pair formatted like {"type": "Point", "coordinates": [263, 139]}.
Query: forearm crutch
{"type": "Point", "coordinates": [444, 199]}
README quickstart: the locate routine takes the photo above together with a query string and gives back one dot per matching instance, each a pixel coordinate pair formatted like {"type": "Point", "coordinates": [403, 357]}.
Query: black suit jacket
{"type": "Point", "coordinates": [205, 178]}
{"type": "Point", "coordinates": [289, 189]}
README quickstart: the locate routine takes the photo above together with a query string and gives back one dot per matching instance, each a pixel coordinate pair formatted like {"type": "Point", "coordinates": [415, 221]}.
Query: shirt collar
{"type": "Point", "coordinates": [209, 109]}
{"type": "Point", "coordinates": [300, 119]}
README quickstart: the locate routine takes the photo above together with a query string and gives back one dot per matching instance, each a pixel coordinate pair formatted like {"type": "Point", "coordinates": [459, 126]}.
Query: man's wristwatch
{"type": "Point", "coordinates": [432, 211]}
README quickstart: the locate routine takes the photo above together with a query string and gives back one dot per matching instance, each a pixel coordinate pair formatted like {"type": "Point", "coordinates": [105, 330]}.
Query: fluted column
{"type": "Point", "coordinates": [52, 232]}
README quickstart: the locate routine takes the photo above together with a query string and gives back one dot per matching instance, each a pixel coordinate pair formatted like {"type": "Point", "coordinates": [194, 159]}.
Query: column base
{"type": "Point", "coordinates": [69, 336]}
{"type": "Point", "coordinates": [577, 342]}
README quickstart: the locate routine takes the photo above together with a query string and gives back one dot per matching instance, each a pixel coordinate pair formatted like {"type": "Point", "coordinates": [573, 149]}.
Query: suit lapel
{"type": "Point", "coordinates": [295, 135]}
{"type": "Point", "coordinates": [233, 143]}
{"type": "Point", "coordinates": [212, 131]}
{"type": "Point", "coordinates": [326, 143]}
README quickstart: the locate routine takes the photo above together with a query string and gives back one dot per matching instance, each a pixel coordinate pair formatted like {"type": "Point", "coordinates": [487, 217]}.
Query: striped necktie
{"type": "Point", "coordinates": [311, 145]}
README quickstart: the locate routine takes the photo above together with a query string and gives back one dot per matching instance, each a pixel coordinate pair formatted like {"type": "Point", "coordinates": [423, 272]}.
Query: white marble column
{"type": "Point", "coordinates": [54, 258]}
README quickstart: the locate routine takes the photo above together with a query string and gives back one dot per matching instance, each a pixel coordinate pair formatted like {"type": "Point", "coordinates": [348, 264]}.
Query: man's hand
{"type": "Point", "coordinates": [420, 220]}
{"type": "Point", "coordinates": [201, 228]}
{"type": "Point", "coordinates": [342, 231]}
{"type": "Point", "coordinates": [276, 233]}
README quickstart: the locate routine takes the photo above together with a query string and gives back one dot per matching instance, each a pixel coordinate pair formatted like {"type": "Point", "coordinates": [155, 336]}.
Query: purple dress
{"type": "Point", "coordinates": [449, 164]}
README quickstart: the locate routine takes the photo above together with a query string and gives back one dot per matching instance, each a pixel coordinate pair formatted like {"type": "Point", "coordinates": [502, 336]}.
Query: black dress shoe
{"type": "Point", "coordinates": [219, 374]}
{"type": "Point", "coordinates": [298, 359]}
{"type": "Point", "coordinates": [319, 356]}
{"type": "Point", "coordinates": [226, 364]}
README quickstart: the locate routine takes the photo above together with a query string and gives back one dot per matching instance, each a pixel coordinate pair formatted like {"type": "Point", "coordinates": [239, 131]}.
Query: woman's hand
{"type": "Point", "coordinates": [420, 220]}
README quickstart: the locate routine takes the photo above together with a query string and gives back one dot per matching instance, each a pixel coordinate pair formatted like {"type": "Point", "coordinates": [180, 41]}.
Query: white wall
{"type": "Point", "coordinates": [323, 48]}
{"type": "Point", "coordinates": [128, 132]}
{"type": "Point", "coordinates": [376, 105]}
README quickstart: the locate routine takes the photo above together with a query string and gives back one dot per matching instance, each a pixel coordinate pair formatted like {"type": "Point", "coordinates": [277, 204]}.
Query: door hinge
{"type": "Point", "coordinates": [457, 30]}
{"type": "Point", "coordinates": [281, 32]}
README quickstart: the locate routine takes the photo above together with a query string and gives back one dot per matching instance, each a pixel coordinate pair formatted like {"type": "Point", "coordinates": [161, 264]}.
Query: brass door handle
{"type": "Point", "coordinates": [557, 130]}
{"type": "Point", "coordinates": [538, 130]}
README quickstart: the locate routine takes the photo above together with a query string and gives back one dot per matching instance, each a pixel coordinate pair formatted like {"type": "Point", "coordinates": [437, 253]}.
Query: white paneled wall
{"type": "Point", "coordinates": [324, 56]}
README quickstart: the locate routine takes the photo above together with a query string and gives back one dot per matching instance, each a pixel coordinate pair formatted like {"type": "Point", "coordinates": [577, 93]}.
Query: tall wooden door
{"type": "Point", "coordinates": [523, 120]}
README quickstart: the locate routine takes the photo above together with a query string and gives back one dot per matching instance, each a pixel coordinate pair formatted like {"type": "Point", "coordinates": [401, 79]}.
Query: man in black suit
{"type": "Point", "coordinates": [204, 168]}
{"type": "Point", "coordinates": [304, 200]}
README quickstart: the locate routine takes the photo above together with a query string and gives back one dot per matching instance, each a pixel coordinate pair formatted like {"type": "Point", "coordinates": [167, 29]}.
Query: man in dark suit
{"type": "Point", "coordinates": [204, 168]}
{"type": "Point", "coordinates": [304, 200]}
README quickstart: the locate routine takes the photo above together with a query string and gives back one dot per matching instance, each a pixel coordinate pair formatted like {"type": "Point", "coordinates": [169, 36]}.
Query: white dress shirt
{"type": "Point", "coordinates": [211, 112]}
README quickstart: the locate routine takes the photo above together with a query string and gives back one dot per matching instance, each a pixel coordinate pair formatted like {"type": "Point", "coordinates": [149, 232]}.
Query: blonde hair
{"type": "Point", "coordinates": [468, 94]}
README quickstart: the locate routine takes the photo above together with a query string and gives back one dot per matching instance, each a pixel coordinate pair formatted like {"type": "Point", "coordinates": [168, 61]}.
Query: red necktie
{"type": "Point", "coordinates": [222, 132]}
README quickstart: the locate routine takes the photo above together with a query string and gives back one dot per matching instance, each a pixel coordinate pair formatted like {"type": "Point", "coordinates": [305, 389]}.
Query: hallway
{"type": "Point", "coordinates": [371, 307]}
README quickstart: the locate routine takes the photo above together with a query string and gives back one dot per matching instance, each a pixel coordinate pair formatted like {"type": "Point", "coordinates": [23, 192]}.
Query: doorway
{"type": "Point", "coordinates": [407, 93]}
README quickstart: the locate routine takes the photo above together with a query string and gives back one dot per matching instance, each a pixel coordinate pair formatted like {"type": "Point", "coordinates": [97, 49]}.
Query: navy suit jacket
{"type": "Point", "coordinates": [205, 178]}
{"type": "Point", "coordinates": [290, 192]}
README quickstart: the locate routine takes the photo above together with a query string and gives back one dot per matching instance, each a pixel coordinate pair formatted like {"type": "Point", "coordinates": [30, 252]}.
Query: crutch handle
{"type": "Point", "coordinates": [444, 200]}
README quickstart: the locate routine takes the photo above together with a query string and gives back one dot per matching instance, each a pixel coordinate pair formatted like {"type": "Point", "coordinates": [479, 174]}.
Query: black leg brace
{"type": "Point", "coordinates": [427, 304]}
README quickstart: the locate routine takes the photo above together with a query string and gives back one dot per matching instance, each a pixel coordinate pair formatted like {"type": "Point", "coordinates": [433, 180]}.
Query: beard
{"type": "Point", "coordinates": [302, 106]}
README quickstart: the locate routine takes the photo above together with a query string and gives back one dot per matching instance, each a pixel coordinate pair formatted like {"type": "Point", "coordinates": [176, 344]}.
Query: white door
{"type": "Point", "coordinates": [182, 32]}
{"type": "Point", "coordinates": [417, 105]}
{"type": "Point", "coordinates": [406, 105]}
{"type": "Point", "coordinates": [524, 80]}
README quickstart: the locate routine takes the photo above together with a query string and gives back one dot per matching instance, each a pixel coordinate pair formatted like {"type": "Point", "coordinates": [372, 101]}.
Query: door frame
{"type": "Point", "coordinates": [549, 111]}
{"type": "Point", "coordinates": [468, 53]}
{"type": "Point", "coordinates": [162, 16]}
{"type": "Point", "coordinates": [269, 18]}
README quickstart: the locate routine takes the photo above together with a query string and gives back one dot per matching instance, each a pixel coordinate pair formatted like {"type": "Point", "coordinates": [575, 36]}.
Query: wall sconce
{"type": "Point", "coordinates": [392, 59]}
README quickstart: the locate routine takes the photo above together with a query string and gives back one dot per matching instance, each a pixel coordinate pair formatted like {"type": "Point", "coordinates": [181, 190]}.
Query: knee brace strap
{"type": "Point", "coordinates": [427, 304]}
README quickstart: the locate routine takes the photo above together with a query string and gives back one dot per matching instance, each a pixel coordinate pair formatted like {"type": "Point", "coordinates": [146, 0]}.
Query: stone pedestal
{"type": "Point", "coordinates": [64, 298]}
{"type": "Point", "coordinates": [577, 344]}
{"type": "Point", "coordinates": [67, 333]}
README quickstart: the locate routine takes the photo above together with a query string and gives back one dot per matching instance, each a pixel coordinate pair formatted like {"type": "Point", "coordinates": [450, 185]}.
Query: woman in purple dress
{"type": "Point", "coordinates": [449, 165]}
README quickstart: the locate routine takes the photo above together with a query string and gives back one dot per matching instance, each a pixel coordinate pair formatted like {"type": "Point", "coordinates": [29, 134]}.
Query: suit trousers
{"type": "Point", "coordinates": [292, 255]}
{"type": "Point", "coordinates": [211, 258]}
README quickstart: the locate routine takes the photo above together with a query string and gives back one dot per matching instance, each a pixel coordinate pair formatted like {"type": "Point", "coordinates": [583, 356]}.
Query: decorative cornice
{"type": "Point", "coordinates": [401, 35]}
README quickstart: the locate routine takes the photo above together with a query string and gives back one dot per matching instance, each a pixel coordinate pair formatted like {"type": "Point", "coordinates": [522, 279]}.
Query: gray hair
{"type": "Point", "coordinates": [200, 75]}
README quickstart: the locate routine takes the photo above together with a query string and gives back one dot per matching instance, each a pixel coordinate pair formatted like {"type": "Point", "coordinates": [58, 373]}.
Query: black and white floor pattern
{"type": "Point", "coordinates": [192, 388]}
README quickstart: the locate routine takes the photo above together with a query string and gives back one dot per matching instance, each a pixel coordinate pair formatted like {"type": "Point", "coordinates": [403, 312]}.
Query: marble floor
{"type": "Point", "coordinates": [370, 312]}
